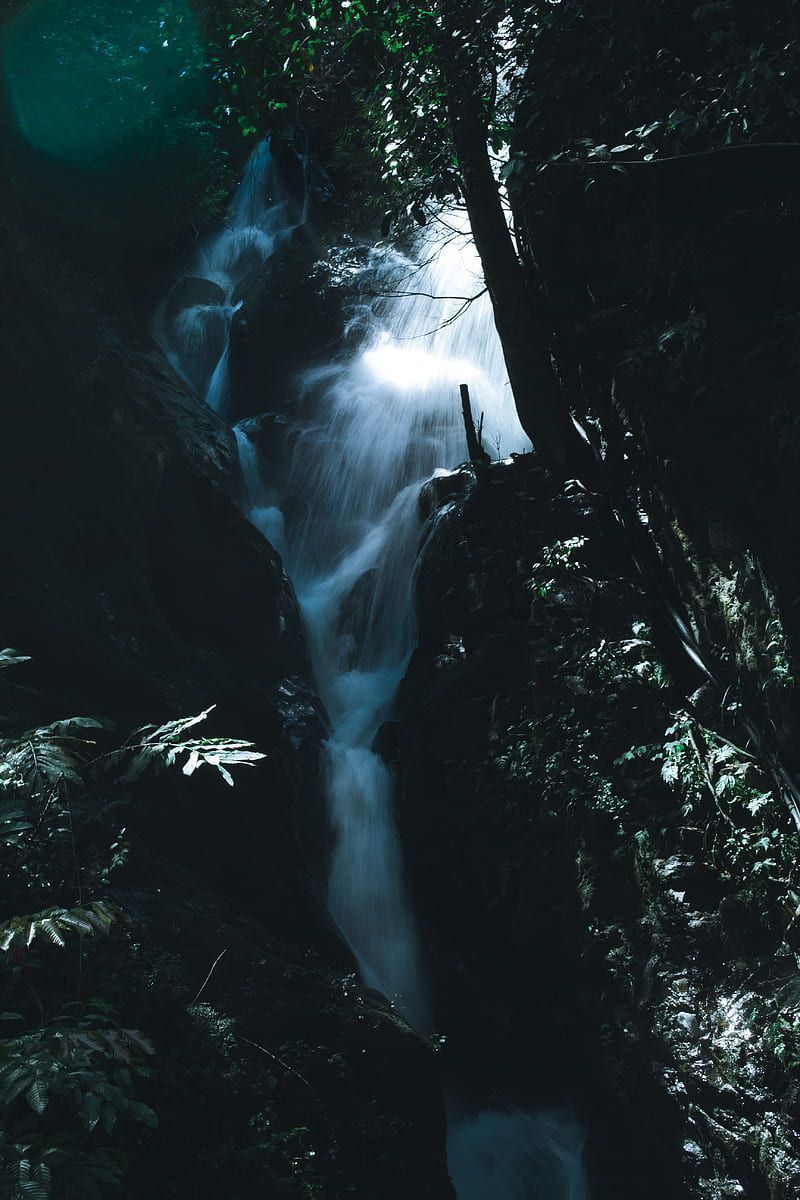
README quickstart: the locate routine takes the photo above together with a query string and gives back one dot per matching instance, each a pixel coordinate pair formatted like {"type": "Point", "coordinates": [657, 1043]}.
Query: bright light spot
{"type": "Point", "coordinates": [400, 365]}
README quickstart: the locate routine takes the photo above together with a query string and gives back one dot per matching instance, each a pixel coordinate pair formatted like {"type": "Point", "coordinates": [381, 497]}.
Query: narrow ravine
{"type": "Point", "coordinates": [367, 430]}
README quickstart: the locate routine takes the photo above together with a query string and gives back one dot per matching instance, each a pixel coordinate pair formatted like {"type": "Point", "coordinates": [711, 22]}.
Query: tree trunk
{"type": "Point", "coordinates": [542, 409]}
{"type": "Point", "coordinates": [477, 455]}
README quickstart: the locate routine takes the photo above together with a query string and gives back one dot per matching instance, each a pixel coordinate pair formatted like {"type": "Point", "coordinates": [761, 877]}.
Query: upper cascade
{"type": "Point", "coordinates": [192, 325]}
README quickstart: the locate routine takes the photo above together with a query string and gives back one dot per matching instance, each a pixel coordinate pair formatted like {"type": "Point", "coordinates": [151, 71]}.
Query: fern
{"type": "Point", "coordinates": [52, 924]}
{"type": "Point", "coordinates": [81, 1067]}
{"type": "Point", "coordinates": [46, 755]}
{"type": "Point", "coordinates": [119, 1044]}
{"type": "Point", "coordinates": [162, 746]}
{"type": "Point", "coordinates": [82, 1074]}
{"type": "Point", "coordinates": [82, 1172]}
{"type": "Point", "coordinates": [73, 1077]}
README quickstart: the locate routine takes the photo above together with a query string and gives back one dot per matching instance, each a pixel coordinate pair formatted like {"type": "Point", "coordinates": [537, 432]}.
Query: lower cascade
{"type": "Point", "coordinates": [368, 431]}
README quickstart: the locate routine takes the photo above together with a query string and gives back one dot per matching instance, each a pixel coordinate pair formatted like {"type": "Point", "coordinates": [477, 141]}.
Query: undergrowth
{"type": "Point", "coordinates": [71, 1073]}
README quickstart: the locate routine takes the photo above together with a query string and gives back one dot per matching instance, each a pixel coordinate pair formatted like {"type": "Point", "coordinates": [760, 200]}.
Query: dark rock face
{"type": "Point", "coordinates": [291, 318]}
{"type": "Point", "coordinates": [684, 357]}
{"type": "Point", "coordinates": [586, 943]}
{"type": "Point", "coordinates": [142, 594]}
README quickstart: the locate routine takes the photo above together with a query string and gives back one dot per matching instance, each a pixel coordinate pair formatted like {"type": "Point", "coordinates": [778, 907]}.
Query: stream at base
{"type": "Point", "coordinates": [369, 429]}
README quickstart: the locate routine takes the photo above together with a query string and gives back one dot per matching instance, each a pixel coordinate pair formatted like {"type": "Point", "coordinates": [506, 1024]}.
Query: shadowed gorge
{"type": "Point", "coordinates": [398, 778]}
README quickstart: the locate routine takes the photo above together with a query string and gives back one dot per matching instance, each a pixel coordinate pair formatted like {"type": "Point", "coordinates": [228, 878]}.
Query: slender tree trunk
{"type": "Point", "coordinates": [542, 409]}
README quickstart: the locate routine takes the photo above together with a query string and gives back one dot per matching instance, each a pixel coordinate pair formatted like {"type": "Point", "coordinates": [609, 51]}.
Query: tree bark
{"type": "Point", "coordinates": [477, 455]}
{"type": "Point", "coordinates": [541, 407]}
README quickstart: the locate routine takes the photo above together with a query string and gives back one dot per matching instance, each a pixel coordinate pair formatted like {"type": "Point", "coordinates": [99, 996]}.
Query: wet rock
{"type": "Point", "coordinates": [688, 1025]}
{"type": "Point", "coordinates": [291, 317]}
{"type": "Point", "coordinates": [442, 488]}
{"type": "Point", "coordinates": [190, 291]}
{"type": "Point", "coordinates": [354, 609]}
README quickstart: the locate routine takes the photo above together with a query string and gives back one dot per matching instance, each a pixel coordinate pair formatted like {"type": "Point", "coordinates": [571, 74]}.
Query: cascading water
{"type": "Point", "coordinates": [382, 422]}
{"type": "Point", "coordinates": [192, 325]}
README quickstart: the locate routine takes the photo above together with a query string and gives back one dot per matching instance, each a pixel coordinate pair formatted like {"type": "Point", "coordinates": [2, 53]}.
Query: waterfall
{"type": "Point", "coordinates": [371, 428]}
{"type": "Point", "coordinates": [192, 325]}
{"type": "Point", "coordinates": [383, 422]}
{"type": "Point", "coordinates": [516, 1155]}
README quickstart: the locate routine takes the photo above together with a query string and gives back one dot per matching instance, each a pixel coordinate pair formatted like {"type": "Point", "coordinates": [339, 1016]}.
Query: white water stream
{"type": "Point", "coordinates": [382, 422]}
{"type": "Point", "coordinates": [192, 325]}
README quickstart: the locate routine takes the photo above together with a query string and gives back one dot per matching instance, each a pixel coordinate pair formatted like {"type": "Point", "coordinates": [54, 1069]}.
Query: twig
{"type": "Point", "coordinates": [208, 976]}
{"type": "Point", "coordinates": [280, 1062]}
{"type": "Point", "coordinates": [44, 812]}
{"type": "Point", "coordinates": [714, 152]}
{"type": "Point", "coordinates": [430, 332]}
{"type": "Point", "coordinates": [424, 295]}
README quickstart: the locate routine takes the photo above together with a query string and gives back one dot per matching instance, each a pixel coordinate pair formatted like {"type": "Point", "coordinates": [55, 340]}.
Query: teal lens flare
{"type": "Point", "coordinates": [96, 83]}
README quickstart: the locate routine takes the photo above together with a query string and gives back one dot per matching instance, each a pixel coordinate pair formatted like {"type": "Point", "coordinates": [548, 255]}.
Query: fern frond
{"type": "Point", "coordinates": [19, 933]}
{"type": "Point", "coordinates": [120, 1044]}
{"type": "Point", "coordinates": [46, 755]}
{"type": "Point", "coordinates": [156, 747]}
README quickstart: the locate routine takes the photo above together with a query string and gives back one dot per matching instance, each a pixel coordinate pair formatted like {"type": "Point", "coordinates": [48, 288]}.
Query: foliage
{"type": "Point", "coordinates": [17, 934]}
{"type": "Point", "coordinates": [156, 747]}
{"type": "Point", "coordinates": [45, 756]}
{"type": "Point", "coordinates": [641, 80]}
{"type": "Point", "coordinates": [750, 835]}
{"type": "Point", "coordinates": [68, 1079]}
{"type": "Point", "coordinates": [70, 1068]}
{"type": "Point", "coordinates": [782, 1037]}
{"type": "Point", "coordinates": [291, 1149]}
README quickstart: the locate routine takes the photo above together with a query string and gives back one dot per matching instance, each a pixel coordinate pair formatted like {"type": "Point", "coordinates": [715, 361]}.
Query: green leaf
{"type": "Point", "coordinates": [37, 1096]}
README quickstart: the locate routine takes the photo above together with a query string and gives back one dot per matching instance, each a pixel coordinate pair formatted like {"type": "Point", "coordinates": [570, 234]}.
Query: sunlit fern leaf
{"type": "Point", "coordinates": [49, 927]}
{"type": "Point", "coordinates": [77, 922]}
{"type": "Point", "coordinates": [18, 933]}
{"type": "Point", "coordinates": [156, 747]}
